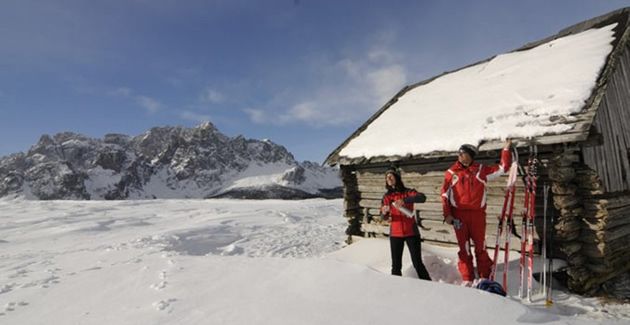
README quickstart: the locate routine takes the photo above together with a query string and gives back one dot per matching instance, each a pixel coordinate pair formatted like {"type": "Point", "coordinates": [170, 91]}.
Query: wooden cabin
{"type": "Point", "coordinates": [584, 151]}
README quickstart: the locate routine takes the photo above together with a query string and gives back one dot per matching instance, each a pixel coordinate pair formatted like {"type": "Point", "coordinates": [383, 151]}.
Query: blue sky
{"type": "Point", "coordinates": [303, 73]}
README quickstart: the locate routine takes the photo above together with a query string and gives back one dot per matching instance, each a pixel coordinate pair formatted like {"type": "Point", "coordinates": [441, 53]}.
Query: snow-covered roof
{"type": "Point", "coordinates": [545, 91]}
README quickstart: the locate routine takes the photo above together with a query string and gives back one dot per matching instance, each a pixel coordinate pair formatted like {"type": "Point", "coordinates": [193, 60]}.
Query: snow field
{"type": "Point", "coordinates": [233, 262]}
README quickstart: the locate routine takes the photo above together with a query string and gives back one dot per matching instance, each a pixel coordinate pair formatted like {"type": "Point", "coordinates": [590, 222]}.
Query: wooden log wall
{"type": "Point", "coordinates": [605, 234]}
{"type": "Point", "coordinates": [352, 211]}
{"type": "Point", "coordinates": [611, 159]}
{"type": "Point", "coordinates": [568, 203]}
{"type": "Point", "coordinates": [593, 228]}
{"type": "Point", "coordinates": [428, 178]}
{"type": "Point", "coordinates": [605, 185]}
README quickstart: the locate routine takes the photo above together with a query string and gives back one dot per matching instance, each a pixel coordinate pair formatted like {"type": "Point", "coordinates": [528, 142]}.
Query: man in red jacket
{"type": "Point", "coordinates": [464, 207]}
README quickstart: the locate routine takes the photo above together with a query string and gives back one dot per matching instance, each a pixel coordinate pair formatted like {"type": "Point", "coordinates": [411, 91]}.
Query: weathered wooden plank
{"type": "Point", "coordinates": [434, 203]}
{"type": "Point", "coordinates": [610, 159]}
{"type": "Point", "coordinates": [437, 216]}
{"type": "Point", "coordinates": [375, 228]}
{"type": "Point", "coordinates": [441, 232]}
{"type": "Point", "coordinates": [432, 180]}
{"type": "Point", "coordinates": [604, 236]}
{"type": "Point", "coordinates": [405, 172]}
{"type": "Point", "coordinates": [493, 188]}
{"type": "Point", "coordinates": [605, 250]}
{"type": "Point", "coordinates": [608, 203]}
{"type": "Point", "coordinates": [604, 220]}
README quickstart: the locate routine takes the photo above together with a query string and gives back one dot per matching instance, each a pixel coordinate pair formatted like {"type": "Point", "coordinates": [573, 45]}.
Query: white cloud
{"type": "Point", "coordinates": [306, 111]}
{"type": "Point", "coordinates": [122, 91]}
{"type": "Point", "coordinates": [212, 96]}
{"type": "Point", "coordinates": [258, 116]}
{"type": "Point", "coordinates": [342, 88]}
{"type": "Point", "coordinates": [195, 117]}
{"type": "Point", "coordinates": [351, 68]}
{"type": "Point", "coordinates": [315, 114]}
{"type": "Point", "coordinates": [386, 82]}
{"type": "Point", "coordinates": [346, 91]}
{"type": "Point", "coordinates": [150, 104]}
{"type": "Point", "coordinates": [382, 54]}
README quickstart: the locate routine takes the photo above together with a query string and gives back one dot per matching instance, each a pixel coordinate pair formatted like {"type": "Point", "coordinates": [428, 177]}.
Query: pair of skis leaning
{"type": "Point", "coordinates": [507, 226]}
{"type": "Point", "coordinates": [527, 230]}
{"type": "Point", "coordinates": [506, 223]}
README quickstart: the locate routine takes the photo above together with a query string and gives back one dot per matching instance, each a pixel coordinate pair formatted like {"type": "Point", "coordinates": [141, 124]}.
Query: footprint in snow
{"type": "Point", "coordinates": [159, 286]}
{"type": "Point", "coordinates": [162, 284]}
{"type": "Point", "coordinates": [230, 250]}
{"type": "Point", "coordinates": [10, 306]}
{"type": "Point", "coordinates": [133, 261]}
{"type": "Point", "coordinates": [164, 305]}
{"type": "Point", "coordinates": [7, 287]}
{"type": "Point", "coordinates": [19, 274]}
{"type": "Point", "coordinates": [53, 279]}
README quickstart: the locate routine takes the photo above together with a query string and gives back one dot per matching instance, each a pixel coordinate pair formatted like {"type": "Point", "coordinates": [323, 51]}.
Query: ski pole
{"type": "Point", "coordinates": [549, 299]}
{"type": "Point", "coordinates": [506, 260]}
{"type": "Point", "coordinates": [527, 183]}
{"type": "Point", "coordinates": [533, 172]}
{"type": "Point", "coordinates": [544, 239]}
{"type": "Point", "coordinates": [499, 234]}
{"type": "Point", "coordinates": [509, 219]}
{"type": "Point", "coordinates": [521, 272]}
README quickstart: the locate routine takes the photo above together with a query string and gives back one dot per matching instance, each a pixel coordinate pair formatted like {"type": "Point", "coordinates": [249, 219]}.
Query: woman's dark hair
{"type": "Point", "coordinates": [399, 187]}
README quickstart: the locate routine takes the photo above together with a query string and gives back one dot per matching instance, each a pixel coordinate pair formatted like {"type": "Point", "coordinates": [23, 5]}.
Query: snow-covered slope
{"type": "Point", "coordinates": [166, 162]}
{"type": "Point", "coordinates": [234, 262]}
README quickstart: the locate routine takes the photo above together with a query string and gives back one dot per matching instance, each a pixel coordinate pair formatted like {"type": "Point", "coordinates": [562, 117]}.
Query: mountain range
{"type": "Point", "coordinates": [164, 162]}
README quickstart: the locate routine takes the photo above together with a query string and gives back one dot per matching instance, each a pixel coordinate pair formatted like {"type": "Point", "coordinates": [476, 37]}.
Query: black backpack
{"type": "Point", "coordinates": [491, 286]}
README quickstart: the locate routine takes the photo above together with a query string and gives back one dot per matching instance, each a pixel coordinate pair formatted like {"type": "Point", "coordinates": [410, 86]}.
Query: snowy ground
{"type": "Point", "coordinates": [233, 262]}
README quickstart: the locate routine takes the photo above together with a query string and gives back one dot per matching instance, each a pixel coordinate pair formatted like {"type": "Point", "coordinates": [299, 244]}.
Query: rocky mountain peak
{"type": "Point", "coordinates": [118, 139]}
{"type": "Point", "coordinates": [168, 162]}
{"type": "Point", "coordinates": [207, 125]}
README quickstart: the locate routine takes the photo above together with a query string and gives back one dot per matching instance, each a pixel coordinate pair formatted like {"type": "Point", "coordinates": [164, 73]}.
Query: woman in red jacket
{"type": "Point", "coordinates": [402, 227]}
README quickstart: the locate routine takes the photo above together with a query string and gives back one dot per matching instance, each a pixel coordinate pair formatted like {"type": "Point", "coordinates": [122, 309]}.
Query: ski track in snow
{"type": "Point", "coordinates": [55, 244]}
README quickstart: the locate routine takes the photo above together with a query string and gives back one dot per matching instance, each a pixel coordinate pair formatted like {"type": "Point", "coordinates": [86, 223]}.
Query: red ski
{"type": "Point", "coordinates": [505, 222]}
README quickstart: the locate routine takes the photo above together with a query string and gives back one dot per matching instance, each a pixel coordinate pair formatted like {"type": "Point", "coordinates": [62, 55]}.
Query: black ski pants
{"type": "Point", "coordinates": [397, 244]}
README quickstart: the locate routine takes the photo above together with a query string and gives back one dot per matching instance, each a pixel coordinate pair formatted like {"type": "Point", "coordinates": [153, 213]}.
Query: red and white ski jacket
{"type": "Point", "coordinates": [465, 187]}
{"type": "Point", "coordinates": [400, 225]}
